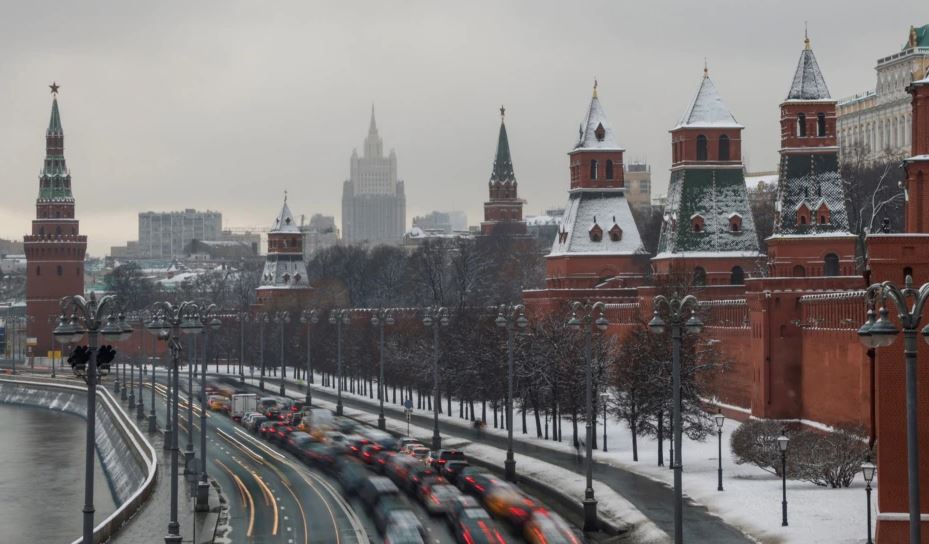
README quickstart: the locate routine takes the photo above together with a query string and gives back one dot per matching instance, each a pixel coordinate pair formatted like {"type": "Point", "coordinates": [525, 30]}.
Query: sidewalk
{"type": "Point", "coordinates": [150, 523]}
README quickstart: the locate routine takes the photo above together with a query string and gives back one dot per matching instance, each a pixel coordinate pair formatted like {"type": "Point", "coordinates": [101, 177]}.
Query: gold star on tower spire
{"type": "Point", "coordinates": [54, 87]}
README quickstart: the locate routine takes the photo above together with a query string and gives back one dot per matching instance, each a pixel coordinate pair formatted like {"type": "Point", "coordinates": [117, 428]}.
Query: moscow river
{"type": "Point", "coordinates": [42, 476]}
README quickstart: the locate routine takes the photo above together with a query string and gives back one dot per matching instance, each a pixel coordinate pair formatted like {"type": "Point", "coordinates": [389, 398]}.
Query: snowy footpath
{"type": "Point", "coordinates": [750, 502]}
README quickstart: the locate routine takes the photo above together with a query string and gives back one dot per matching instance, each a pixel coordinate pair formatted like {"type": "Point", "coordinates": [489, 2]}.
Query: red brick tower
{"type": "Point", "coordinates": [811, 231]}
{"type": "Point", "coordinates": [55, 250]}
{"type": "Point", "coordinates": [284, 279]}
{"type": "Point", "coordinates": [503, 212]}
{"type": "Point", "coordinates": [917, 166]}
{"type": "Point", "coordinates": [892, 257]}
{"type": "Point", "coordinates": [708, 230]}
{"type": "Point", "coordinates": [598, 240]}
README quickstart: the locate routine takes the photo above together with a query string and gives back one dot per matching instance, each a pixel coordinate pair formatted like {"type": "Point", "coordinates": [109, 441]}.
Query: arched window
{"type": "Point", "coordinates": [735, 222]}
{"type": "Point", "coordinates": [38, 271]}
{"type": "Point", "coordinates": [831, 265]}
{"type": "Point", "coordinates": [701, 147]}
{"type": "Point", "coordinates": [907, 271]}
{"type": "Point", "coordinates": [799, 271]}
{"type": "Point", "coordinates": [724, 148]}
{"type": "Point", "coordinates": [737, 277]}
{"type": "Point", "coordinates": [696, 222]}
{"type": "Point", "coordinates": [801, 125]}
{"type": "Point", "coordinates": [820, 124]}
{"type": "Point", "coordinates": [609, 169]}
{"type": "Point", "coordinates": [60, 270]}
{"type": "Point", "coordinates": [594, 167]}
{"type": "Point", "coordinates": [699, 276]}
{"type": "Point", "coordinates": [58, 230]}
{"type": "Point", "coordinates": [286, 278]}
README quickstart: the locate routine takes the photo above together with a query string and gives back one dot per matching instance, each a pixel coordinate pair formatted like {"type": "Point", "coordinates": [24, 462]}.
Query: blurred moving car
{"type": "Point", "coordinates": [415, 476]}
{"type": "Point", "coordinates": [452, 469]}
{"type": "Point", "coordinates": [379, 463]}
{"type": "Point", "coordinates": [403, 527]}
{"type": "Point", "coordinates": [375, 489]}
{"type": "Point", "coordinates": [351, 474]}
{"type": "Point", "coordinates": [404, 443]}
{"type": "Point", "coordinates": [397, 468]}
{"type": "Point", "coordinates": [505, 501]}
{"type": "Point", "coordinates": [440, 497]}
{"type": "Point", "coordinates": [419, 452]}
{"type": "Point", "coordinates": [477, 482]}
{"type": "Point", "coordinates": [368, 452]}
{"type": "Point", "coordinates": [476, 526]}
{"type": "Point", "coordinates": [390, 508]}
{"type": "Point", "coordinates": [443, 456]}
{"type": "Point", "coordinates": [459, 505]}
{"type": "Point", "coordinates": [547, 527]}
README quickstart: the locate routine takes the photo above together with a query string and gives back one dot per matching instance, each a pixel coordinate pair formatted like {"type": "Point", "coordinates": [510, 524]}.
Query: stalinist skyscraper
{"type": "Point", "coordinates": [373, 200]}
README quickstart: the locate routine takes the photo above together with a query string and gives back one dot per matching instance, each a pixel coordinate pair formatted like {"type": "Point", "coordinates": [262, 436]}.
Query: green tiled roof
{"type": "Point", "coordinates": [812, 180]}
{"type": "Point", "coordinates": [714, 194]}
{"type": "Point", "coordinates": [54, 180]}
{"type": "Point", "coordinates": [503, 164]}
{"type": "Point", "coordinates": [921, 37]}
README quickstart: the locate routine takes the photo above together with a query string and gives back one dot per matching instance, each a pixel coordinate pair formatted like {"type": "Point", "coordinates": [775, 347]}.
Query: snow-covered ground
{"type": "Point", "coordinates": [752, 497]}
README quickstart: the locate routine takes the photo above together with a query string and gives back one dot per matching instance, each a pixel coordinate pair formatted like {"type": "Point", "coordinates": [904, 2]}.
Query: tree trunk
{"type": "Point", "coordinates": [448, 403]}
{"type": "Point", "coordinates": [484, 412]}
{"type": "Point", "coordinates": [523, 411]}
{"type": "Point", "coordinates": [538, 420]}
{"type": "Point", "coordinates": [577, 444]}
{"type": "Point", "coordinates": [460, 409]}
{"type": "Point", "coordinates": [494, 405]}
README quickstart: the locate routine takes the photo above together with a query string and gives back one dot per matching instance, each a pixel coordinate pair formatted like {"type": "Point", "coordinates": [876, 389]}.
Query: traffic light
{"type": "Point", "coordinates": [78, 359]}
{"type": "Point", "coordinates": [105, 355]}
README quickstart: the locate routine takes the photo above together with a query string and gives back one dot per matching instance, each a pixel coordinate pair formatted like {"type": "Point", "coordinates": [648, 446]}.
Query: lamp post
{"type": "Point", "coordinates": [676, 309]}
{"type": "Point", "coordinates": [881, 332]}
{"type": "Point", "coordinates": [782, 443]}
{"type": "Point", "coordinates": [509, 317]}
{"type": "Point", "coordinates": [309, 317]}
{"type": "Point", "coordinates": [132, 366]}
{"type": "Point", "coordinates": [380, 318]}
{"type": "Point", "coordinates": [210, 317]}
{"type": "Point", "coordinates": [339, 317]}
{"type": "Point", "coordinates": [719, 419]}
{"type": "Point", "coordinates": [140, 405]}
{"type": "Point", "coordinates": [190, 467]}
{"type": "Point", "coordinates": [434, 317]}
{"type": "Point", "coordinates": [586, 321]}
{"type": "Point", "coordinates": [242, 318]}
{"type": "Point", "coordinates": [282, 318]}
{"type": "Point", "coordinates": [867, 470]}
{"type": "Point", "coordinates": [152, 418]}
{"type": "Point", "coordinates": [93, 318]}
{"type": "Point", "coordinates": [168, 322]}
{"type": "Point", "coordinates": [263, 319]}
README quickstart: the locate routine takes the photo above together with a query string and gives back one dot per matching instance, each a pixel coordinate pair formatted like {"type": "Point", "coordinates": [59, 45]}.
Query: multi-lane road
{"type": "Point", "coordinates": [272, 496]}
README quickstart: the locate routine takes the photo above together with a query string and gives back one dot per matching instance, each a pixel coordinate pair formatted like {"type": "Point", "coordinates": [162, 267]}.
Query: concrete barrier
{"type": "Point", "coordinates": [128, 458]}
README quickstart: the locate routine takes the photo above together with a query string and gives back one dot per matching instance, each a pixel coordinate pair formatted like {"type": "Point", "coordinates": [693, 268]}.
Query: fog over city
{"type": "Point", "coordinates": [224, 105]}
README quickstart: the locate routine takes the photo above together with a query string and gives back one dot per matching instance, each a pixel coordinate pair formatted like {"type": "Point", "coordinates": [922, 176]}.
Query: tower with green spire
{"type": "Point", "coordinates": [503, 211]}
{"type": "Point", "coordinates": [55, 249]}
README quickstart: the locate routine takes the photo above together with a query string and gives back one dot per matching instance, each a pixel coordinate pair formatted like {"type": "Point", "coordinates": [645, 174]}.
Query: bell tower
{"type": "Point", "coordinates": [55, 249]}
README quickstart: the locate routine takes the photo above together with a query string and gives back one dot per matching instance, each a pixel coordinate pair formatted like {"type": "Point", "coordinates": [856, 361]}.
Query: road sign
{"type": "Point", "coordinates": [408, 404]}
{"type": "Point", "coordinates": [32, 341]}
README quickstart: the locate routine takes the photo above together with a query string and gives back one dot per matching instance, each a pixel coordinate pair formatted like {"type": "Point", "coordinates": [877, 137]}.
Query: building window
{"type": "Point", "coordinates": [799, 271]}
{"type": "Point", "coordinates": [820, 124]}
{"type": "Point", "coordinates": [699, 276]}
{"type": "Point", "coordinates": [593, 169]}
{"type": "Point", "coordinates": [735, 222]}
{"type": "Point", "coordinates": [696, 223]}
{"type": "Point", "coordinates": [60, 270]}
{"type": "Point", "coordinates": [609, 169]}
{"type": "Point", "coordinates": [701, 147]}
{"type": "Point", "coordinates": [724, 148]}
{"type": "Point", "coordinates": [823, 214]}
{"type": "Point", "coordinates": [831, 265]}
{"type": "Point", "coordinates": [737, 277]}
{"type": "Point", "coordinates": [616, 233]}
{"type": "Point", "coordinates": [38, 271]}
{"type": "Point", "coordinates": [596, 233]}
{"type": "Point", "coordinates": [907, 271]}
{"type": "Point", "coordinates": [801, 125]}
{"type": "Point", "coordinates": [600, 132]}
{"type": "Point", "coordinates": [803, 214]}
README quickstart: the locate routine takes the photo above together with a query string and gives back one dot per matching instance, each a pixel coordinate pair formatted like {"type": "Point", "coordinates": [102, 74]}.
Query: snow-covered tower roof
{"type": "Point", "coordinates": [707, 109]}
{"type": "Point", "coordinates": [284, 222]}
{"type": "Point", "coordinates": [808, 82]}
{"type": "Point", "coordinates": [595, 132]}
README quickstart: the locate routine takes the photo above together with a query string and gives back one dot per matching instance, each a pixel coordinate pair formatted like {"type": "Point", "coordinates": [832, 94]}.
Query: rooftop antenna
{"type": "Point", "coordinates": [706, 69]}
{"type": "Point", "coordinates": [806, 36]}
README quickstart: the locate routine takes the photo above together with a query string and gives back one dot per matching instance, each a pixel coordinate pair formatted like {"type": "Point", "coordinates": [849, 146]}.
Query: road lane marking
{"type": "Point", "coordinates": [268, 493]}
{"type": "Point", "coordinates": [245, 492]}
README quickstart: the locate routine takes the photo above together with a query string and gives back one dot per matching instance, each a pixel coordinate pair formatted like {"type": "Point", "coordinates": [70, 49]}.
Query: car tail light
{"type": "Point", "coordinates": [517, 512]}
{"type": "Point", "coordinates": [466, 534]}
{"type": "Point", "coordinates": [434, 499]}
{"type": "Point", "coordinates": [441, 461]}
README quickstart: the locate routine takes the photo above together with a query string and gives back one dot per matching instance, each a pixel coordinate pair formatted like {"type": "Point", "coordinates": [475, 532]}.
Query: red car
{"type": "Point", "coordinates": [281, 431]}
{"type": "Point", "coordinates": [368, 452]}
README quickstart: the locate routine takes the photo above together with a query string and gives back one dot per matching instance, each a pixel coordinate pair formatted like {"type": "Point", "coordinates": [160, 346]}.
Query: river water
{"type": "Point", "coordinates": [42, 476]}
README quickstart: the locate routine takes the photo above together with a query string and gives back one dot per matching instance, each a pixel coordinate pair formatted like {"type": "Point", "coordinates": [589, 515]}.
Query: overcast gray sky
{"type": "Point", "coordinates": [224, 105]}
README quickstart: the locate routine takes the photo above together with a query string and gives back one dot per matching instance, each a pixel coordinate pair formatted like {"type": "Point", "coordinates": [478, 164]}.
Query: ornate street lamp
{"type": "Point", "coordinates": [168, 322]}
{"type": "Point", "coordinates": [867, 471]}
{"type": "Point", "coordinates": [309, 317]}
{"type": "Point", "coordinates": [782, 443]}
{"type": "Point", "coordinates": [677, 309]}
{"type": "Point", "coordinates": [720, 419]}
{"type": "Point", "coordinates": [604, 398]}
{"type": "Point", "coordinates": [263, 319]}
{"type": "Point", "coordinates": [242, 318]}
{"type": "Point", "coordinates": [509, 317]}
{"type": "Point", "coordinates": [210, 317]}
{"type": "Point", "coordinates": [380, 318]}
{"type": "Point", "coordinates": [585, 322]}
{"type": "Point", "coordinates": [434, 317]}
{"type": "Point", "coordinates": [192, 327]}
{"type": "Point", "coordinates": [339, 317]}
{"type": "Point", "coordinates": [93, 318]}
{"type": "Point", "coordinates": [881, 332]}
